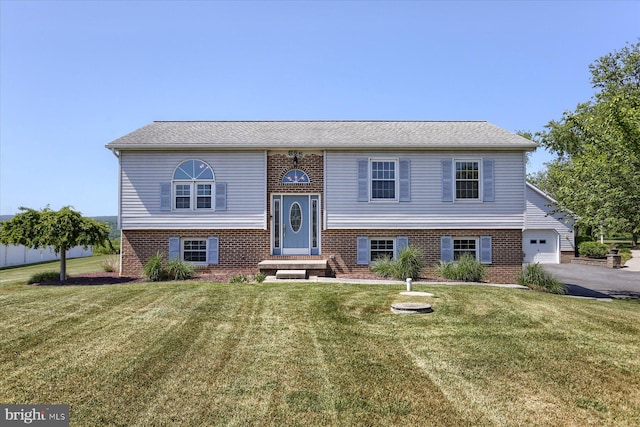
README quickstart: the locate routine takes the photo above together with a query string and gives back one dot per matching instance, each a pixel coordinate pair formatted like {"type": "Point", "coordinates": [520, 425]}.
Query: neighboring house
{"type": "Point", "coordinates": [228, 195]}
{"type": "Point", "coordinates": [20, 255]}
{"type": "Point", "coordinates": [548, 236]}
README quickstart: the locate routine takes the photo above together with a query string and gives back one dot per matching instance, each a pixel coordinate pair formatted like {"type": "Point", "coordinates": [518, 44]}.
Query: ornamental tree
{"type": "Point", "coordinates": [63, 229]}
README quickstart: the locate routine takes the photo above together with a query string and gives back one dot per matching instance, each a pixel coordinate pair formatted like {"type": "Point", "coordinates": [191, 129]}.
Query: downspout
{"type": "Point", "coordinates": [524, 212]}
{"type": "Point", "coordinates": [324, 190]}
{"type": "Point", "coordinates": [266, 198]}
{"type": "Point", "coordinates": [117, 153]}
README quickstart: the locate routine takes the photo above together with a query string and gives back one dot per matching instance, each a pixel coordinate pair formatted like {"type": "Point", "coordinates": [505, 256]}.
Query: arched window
{"type": "Point", "coordinates": [193, 185]}
{"type": "Point", "coordinates": [295, 176]}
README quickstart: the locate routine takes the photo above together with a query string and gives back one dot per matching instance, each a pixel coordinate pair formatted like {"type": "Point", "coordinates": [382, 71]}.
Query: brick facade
{"type": "Point", "coordinates": [238, 249]}
{"type": "Point", "coordinates": [279, 164]}
{"type": "Point", "coordinates": [339, 247]}
{"type": "Point", "coordinates": [244, 249]}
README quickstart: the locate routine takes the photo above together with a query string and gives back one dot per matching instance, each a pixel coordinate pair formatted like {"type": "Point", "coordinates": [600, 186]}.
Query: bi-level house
{"type": "Point", "coordinates": [334, 194]}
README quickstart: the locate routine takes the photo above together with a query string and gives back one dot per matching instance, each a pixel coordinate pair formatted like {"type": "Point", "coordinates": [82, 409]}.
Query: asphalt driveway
{"type": "Point", "coordinates": [597, 282]}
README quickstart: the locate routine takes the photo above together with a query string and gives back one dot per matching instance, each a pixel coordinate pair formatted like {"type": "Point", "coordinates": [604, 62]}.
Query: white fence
{"type": "Point", "coordinates": [20, 255]}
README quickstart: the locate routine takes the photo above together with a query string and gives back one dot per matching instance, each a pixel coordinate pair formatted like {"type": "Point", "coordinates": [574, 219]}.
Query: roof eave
{"type": "Point", "coordinates": [175, 147]}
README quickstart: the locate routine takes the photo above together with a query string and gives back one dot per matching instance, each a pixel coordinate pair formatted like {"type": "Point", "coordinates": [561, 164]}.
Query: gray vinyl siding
{"type": "Point", "coordinates": [426, 208]}
{"type": "Point", "coordinates": [540, 217]}
{"type": "Point", "coordinates": [142, 174]}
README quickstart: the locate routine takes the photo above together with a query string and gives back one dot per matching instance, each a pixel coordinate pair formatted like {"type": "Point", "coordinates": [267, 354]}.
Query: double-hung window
{"type": "Point", "coordinates": [193, 186]}
{"type": "Point", "coordinates": [467, 179]}
{"type": "Point", "coordinates": [463, 246]}
{"type": "Point", "coordinates": [194, 250]}
{"type": "Point", "coordinates": [203, 196]}
{"type": "Point", "coordinates": [453, 248]}
{"type": "Point", "coordinates": [381, 248]}
{"type": "Point", "coordinates": [383, 179]}
{"type": "Point", "coordinates": [183, 196]}
{"type": "Point", "coordinates": [470, 180]}
{"type": "Point", "coordinates": [370, 249]}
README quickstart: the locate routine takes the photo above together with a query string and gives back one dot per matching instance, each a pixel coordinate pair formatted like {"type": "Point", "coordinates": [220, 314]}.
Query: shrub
{"type": "Point", "coordinates": [154, 268]}
{"type": "Point", "coordinates": [408, 264]}
{"type": "Point", "coordinates": [45, 276]}
{"type": "Point", "coordinates": [625, 253]}
{"type": "Point", "coordinates": [445, 270]}
{"type": "Point", "coordinates": [239, 278]}
{"type": "Point", "coordinates": [593, 249]}
{"type": "Point", "coordinates": [180, 270]}
{"type": "Point", "coordinates": [111, 264]}
{"type": "Point", "coordinates": [260, 277]}
{"type": "Point", "coordinates": [383, 266]}
{"type": "Point", "coordinates": [466, 269]}
{"type": "Point", "coordinates": [537, 278]}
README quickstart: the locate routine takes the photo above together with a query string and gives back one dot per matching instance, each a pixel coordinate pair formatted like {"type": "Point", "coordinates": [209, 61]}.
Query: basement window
{"type": "Point", "coordinates": [381, 248]}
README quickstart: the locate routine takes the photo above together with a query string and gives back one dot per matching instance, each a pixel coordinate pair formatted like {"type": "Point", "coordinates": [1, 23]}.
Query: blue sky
{"type": "Point", "coordinates": [76, 75]}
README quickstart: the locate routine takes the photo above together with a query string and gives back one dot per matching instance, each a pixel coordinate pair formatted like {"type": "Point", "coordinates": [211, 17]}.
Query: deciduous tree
{"type": "Point", "coordinates": [597, 172]}
{"type": "Point", "coordinates": [63, 229]}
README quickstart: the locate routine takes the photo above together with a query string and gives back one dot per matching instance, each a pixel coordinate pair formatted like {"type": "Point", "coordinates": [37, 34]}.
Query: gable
{"type": "Point", "coordinates": [540, 213]}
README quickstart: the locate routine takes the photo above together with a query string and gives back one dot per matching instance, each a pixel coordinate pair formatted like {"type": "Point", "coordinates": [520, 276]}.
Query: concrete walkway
{"type": "Point", "coordinates": [314, 279]}
{"type": "Point", "coordinates": [634, 263]}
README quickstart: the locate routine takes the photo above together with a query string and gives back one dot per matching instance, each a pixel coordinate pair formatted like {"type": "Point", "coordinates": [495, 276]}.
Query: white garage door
{"type": "Point", "coordinates": [540, 246]}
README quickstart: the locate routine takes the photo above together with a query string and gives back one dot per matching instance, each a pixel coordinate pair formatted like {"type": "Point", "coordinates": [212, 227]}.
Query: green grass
{"type": "Point", "coordinates": [196, 353]}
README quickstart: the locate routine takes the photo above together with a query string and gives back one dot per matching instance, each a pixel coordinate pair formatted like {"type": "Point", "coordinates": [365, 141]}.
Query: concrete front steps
{"type": "Point", "coordinates": [295, 268]}
{"type": "Point", "coordinates": [291, 274]}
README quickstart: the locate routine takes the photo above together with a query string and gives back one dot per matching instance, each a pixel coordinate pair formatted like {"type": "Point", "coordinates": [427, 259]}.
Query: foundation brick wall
{"type": "Point", "coordinates": [244, 249]}
{"type": "Point", "coordinates": [340, 248]}
{"type": "Point", "coordinates": [238, 249]}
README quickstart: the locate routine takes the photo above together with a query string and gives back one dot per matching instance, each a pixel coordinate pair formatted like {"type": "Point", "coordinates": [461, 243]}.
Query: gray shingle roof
{"type": "Point", "coordinates": [247, 135]}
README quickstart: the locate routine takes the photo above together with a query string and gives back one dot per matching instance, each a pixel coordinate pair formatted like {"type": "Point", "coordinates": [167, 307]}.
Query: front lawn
{"type": "Point", "coordinates": [198, 353]}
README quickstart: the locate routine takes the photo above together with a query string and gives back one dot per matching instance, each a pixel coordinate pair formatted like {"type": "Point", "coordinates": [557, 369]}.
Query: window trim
{"type": "Point", "coordinates": [396, 179]}
{"type": "Point", "coordinates": [454, 178]}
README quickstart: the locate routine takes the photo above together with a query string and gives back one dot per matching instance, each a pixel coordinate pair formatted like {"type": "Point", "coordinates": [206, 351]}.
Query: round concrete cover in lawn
{"type": "Point", "coordinates": [411, 307]}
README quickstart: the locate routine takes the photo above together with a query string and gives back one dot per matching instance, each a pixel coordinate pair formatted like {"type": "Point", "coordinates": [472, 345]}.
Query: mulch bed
{"type": "Point", "coordinates": [102, 278]}
{"type": "Point", "coordinates": [93, 279]}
